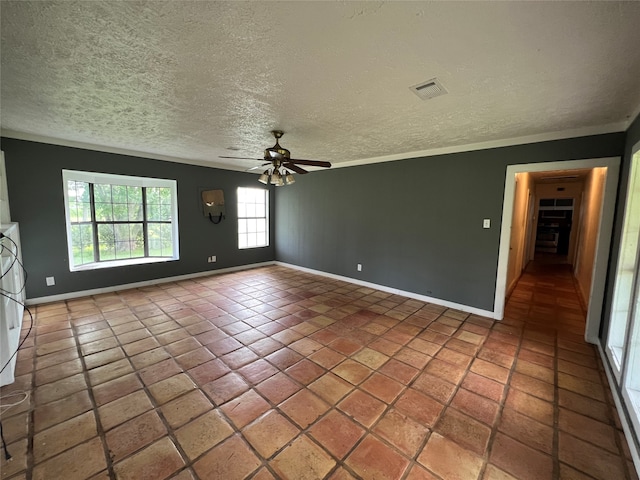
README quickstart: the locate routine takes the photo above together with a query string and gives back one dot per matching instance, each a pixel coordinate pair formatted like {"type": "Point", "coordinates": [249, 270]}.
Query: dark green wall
{"type": "Point", "coordinates": [416, 224]}
{"type": "Point", "coordinates": [34, 173]}
{"type": "Point", "coordinates": [632, 137]}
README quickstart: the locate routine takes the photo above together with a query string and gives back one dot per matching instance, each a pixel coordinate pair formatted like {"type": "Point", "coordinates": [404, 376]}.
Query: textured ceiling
{"type": "Point", "coordinates": [195, 80]}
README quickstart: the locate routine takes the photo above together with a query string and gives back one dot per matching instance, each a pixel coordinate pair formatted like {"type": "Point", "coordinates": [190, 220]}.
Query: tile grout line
{"type": "Point", "coordinates": [94, 406]}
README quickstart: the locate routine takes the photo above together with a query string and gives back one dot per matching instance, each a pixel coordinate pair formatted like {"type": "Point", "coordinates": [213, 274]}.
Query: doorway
{"type": "Point", "coordinates": [601, 233]}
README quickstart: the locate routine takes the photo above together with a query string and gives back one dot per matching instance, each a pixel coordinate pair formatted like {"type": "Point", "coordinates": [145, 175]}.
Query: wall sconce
{"type": "Point", "coordinates": [213, 205]}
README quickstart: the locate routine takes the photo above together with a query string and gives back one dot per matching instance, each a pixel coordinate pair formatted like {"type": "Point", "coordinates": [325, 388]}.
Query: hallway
{"type": "Point", "coordinates": [273, 373]}
{"type": "Point", "coordinates": [545, 303]}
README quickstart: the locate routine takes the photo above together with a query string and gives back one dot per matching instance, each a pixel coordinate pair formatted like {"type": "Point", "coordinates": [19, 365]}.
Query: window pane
{"type": "Point", "coordinates": [153, 195]}
{"type": "Point", "coordinates": [164, 194]}
{"type": "Point", "coordinates": [104, 212]}
{"type": "Point", "coordinates": [119, 193]}
{"type": "Point", "coordinates": [155, 239]}
{"type": "Point", "coordinates": [165, 213]}
{"type": "Point", "coordinates": [120, 212]}
{"type": "Point", "coordinates": [242, 240]}
{"type": "Point", "coordinates": [251, 210]}
{"type": "Point", "coordinates": [106, 242]}
{"type": "Point", "coordinates": [135, 211]}
{"type": "Point", "coordinates": [102, 193]}
{"type": "Point", "coordinates": [134, 195]}
{"type": "Point", "coordinates": [242, 226]}
{"type": "Point", "coordinates": [123, 243]}
{"type": "Point", "coordinates": [242, 210]}
{"type": "Point", "coordinates": [82, 244]}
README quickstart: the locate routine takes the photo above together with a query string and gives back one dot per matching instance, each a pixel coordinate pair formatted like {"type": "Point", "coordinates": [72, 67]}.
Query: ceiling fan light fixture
{"type": "Point", "coordinates": [276, 179]}
{"type": "Point", "coordinates": [289, 179]}
{"type": "Point", "coordinates": [265, 177]}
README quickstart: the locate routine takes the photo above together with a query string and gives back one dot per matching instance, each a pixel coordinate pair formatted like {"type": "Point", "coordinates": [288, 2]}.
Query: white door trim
{"type": "Point", "coordinates": [603, 242]}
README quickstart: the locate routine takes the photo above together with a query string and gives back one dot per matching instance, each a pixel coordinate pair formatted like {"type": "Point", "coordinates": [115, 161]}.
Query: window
{"type": "Point", "coordinates": [253, 220]}
{"type": "Point", "coordinates": [623, 344]}
{"type": "Point", "coordinates": [117, 220]}
{"type": "Point", "coordinates": [626, 271]}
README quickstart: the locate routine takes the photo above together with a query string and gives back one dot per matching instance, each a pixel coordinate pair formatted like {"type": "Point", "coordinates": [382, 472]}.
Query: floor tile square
{"type": "Point", "coordinates": [158, 460]}
{"type": "Point", "coordinates": [520, 460]}
{"type": "Point", "coordinates": [185, 408]}
{"type": "Point", "coordinates": [225, 388]}
{"type": "Point", "coordinates": [476, 406]}
{"type": "Point", "coordinates": [337, 433]}
{"type": "Point", "coordinates": [62, 436]}
{"type": "Point", "coordinates": [464, 430]}
{"type": "Point", "coordinates": [208, 371]}
{"type": "Point", "coordinates": [134, 434]}
{"type": "Point", "coordinates": [93, 461]}
{"type": "Point", "coordinates": [269, 433]}
{"type": "Point", "coordinates": [203, 433]}
{"type": "Point", "coordinates": [331, 388]}
{"type": "Point", "coordinates": [448, 460]}
{"type": "Point", "coordinates": [373, 459]}
{"type": "Point", "coordinates": [362, 407]}
{"type": "Point", "coordinates": [402, 432]}
{"type": "Point", "coordinates": [303, 460]}
{"type": "Point", "coordinates": [123, 409]}
{"type": "Point", "coordinates": [284, 358]}
{"type": "Point", "coordinates": [352, 371]}
{"type": "Point", "coordinates": [418, 406]}
{"type": "Point", "coordinates": [171, 387]}
{"type": "Point", "coordinates": [231, 459]}
{"type": "Point", "coordinates": [245, 408]}
{"type": "Point", "coordinates": [278, 388]}
{"type": "Point", "coordinates": [304, 408]}
{"type": "Point", "coordinates": [327, 358]}
{"type": "Point", "coordinates": [382, 387]}
{"type": "Point", "coordinates": [305, 371]}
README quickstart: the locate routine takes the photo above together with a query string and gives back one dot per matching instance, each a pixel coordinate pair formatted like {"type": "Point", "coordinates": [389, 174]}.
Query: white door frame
{"type": "Point", "coordinates": [605, 229]}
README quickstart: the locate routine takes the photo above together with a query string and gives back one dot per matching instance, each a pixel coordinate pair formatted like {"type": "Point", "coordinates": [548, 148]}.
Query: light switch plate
{"type": "Point", "coordinates": [486, 223]}
{"type": "Point", "coordinates": [51, 281]}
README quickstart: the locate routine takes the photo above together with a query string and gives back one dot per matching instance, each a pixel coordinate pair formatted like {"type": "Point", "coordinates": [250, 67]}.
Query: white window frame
{"type": "Point", "coordinates": [623, 340]}
{"type": "Point", "coordinates": [626, 272]}
{"type": "Point", "coordinates": [244, 218]}
{"type": "Point", "coordinates": [127, 180]}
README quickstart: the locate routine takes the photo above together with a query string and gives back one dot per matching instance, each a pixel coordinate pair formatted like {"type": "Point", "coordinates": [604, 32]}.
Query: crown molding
{"type": "Point", "coordinates": [104, 148]}
{"type": "Point", "coordinates": [469, 147]}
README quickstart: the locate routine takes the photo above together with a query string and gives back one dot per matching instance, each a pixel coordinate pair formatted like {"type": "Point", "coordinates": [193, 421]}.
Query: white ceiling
{"type": "Point", "coordinates": [195, 80]}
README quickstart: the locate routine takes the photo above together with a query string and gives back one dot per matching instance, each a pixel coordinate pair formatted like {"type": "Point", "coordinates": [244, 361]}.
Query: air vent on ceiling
{"type": "Point", "coordinates": [429, 89]}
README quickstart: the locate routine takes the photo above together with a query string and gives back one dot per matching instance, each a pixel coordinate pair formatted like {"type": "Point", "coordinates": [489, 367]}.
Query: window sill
{"type": "Point", "coordinates": [121, 263]}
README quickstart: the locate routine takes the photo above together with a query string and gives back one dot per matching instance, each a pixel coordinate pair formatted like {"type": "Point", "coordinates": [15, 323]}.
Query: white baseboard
{"type": "Point", "coordinates": [626, 427]}
{"type": "Point", "coordinates": [416, 296]}
{"type": "Point", "coordinates": [146, 283]}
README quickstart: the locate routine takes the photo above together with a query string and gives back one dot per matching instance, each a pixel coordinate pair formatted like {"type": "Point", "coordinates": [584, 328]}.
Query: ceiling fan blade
{"type": "Point", "coordinates": [241, 158]}
{"type": "Point", "coordinates": [258, 167]}
{"type": "Point", "coordinates": [313, 163]}
{"type": "Point", "coordinates": [295, 168]}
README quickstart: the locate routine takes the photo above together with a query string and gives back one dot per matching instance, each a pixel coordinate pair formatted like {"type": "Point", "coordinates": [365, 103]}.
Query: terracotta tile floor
{"type": "Point", "coordinates": [275, 373]}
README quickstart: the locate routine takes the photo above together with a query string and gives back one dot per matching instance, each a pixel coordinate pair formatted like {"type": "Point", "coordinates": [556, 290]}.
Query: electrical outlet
{"type": "Point", "coordinates": [486, 223]}
{"type": "Point", "coordinates": [51, 281]}
{"type": "Point", "coordinates": [359, 267]}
